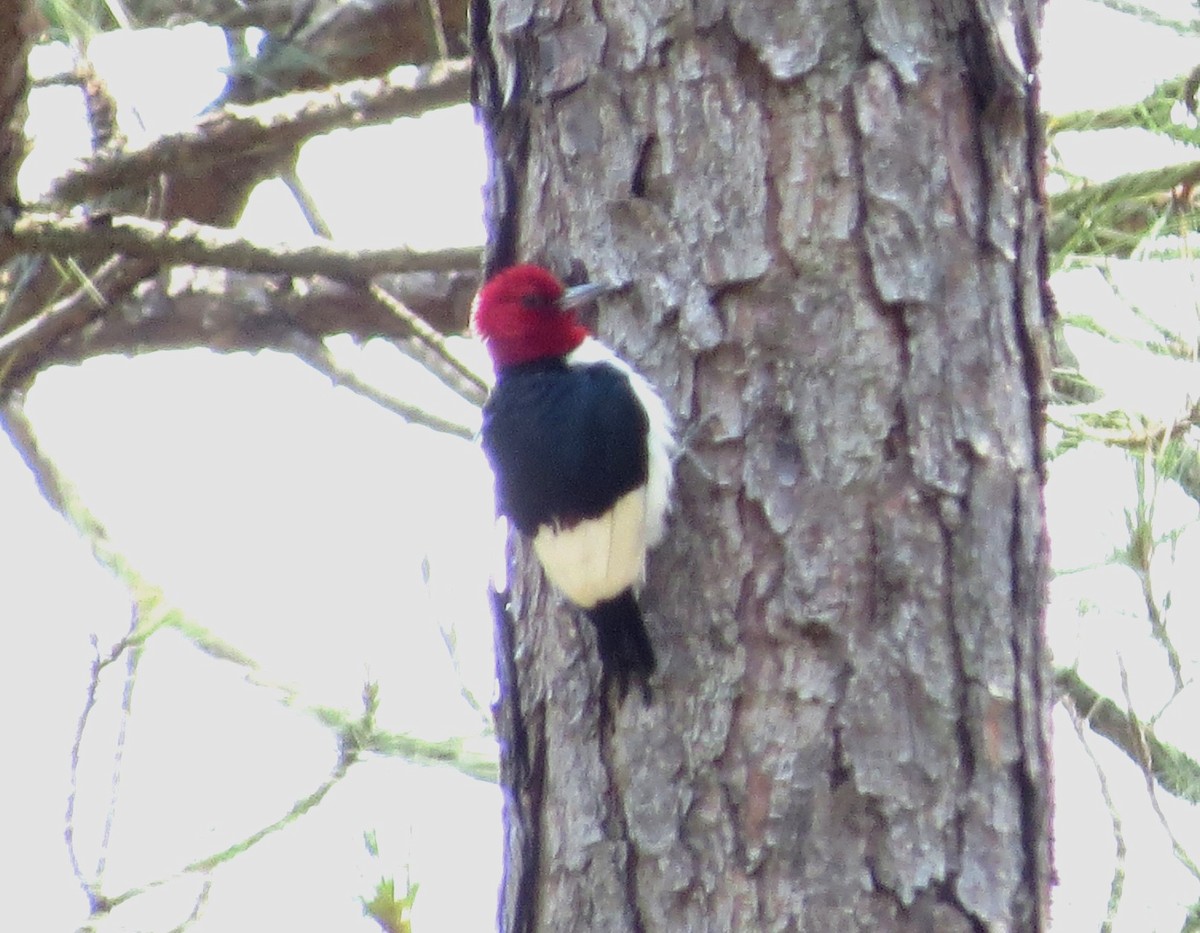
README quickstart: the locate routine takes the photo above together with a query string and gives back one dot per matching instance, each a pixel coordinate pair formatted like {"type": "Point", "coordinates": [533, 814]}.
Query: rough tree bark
{"type": "Point", "coordinates": [825, 221]}
{"type": "Point", "coordinates": [18, 25]}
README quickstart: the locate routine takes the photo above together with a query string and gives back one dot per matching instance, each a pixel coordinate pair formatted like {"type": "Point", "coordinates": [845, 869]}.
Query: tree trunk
{"type": "Point", "coordinates": [825, 221]}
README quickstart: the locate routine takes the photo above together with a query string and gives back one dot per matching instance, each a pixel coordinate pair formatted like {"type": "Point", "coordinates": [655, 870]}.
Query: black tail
{"type": "Point", "coordinates": [625, 650]}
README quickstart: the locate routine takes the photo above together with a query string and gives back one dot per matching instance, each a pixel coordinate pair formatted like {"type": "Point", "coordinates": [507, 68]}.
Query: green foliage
{"type": "Point", "coordinates": [81, 19]}
{"type": "Point", "coordinates": [393, 913]}
{"type": "Point", "coordinates": [1124, 216]}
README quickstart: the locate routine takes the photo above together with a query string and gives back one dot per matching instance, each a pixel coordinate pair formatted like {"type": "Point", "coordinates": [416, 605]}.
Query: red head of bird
{"type": "Point", "coordinates": [525, 313]}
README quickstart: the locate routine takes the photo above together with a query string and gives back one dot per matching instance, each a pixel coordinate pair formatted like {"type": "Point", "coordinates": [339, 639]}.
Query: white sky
{"type": "Point", "coordinates": [292, 519]}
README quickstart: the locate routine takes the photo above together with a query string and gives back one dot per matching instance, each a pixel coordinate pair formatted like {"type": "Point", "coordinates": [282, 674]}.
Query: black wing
{"type": "Point", "coordinates": [565, 442]}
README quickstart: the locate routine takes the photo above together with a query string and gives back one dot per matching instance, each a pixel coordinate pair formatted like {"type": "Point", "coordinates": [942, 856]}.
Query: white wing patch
{"type": "Point", "coordinates": [599, 558]}
{"type": "Point", "coordinates": [660, 438]}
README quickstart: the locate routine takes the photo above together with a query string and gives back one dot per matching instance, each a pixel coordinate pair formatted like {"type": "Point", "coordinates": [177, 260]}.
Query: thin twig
{"type": "Point", "coordinates": [1141, 553]}
{"type": "Point", "coordinates": [1117, 887]}
{"type": "Point", "coordinates": [306, 202]}
{"type": "Point", "coordinates": [440, 360]}
{"type": "Point", "coordinates": [433, 16]}
{"type": "Point", "coordinates": [450, 640]}
{"type": "Point", "coordinates": [132, 657]}
{"type": "Point", "coordinates": [209, 862]}
{"type": "Point", "coordinates": [1144, 760]}
{"type": "Point", "coordinates": [61, 497]}
{"type": "Point", "coordinates": [57, 492]}
{"type": "Point", "coordinates": [1147, 15]}
{"type": "Point", "coordinates": [197, 908]}
{"type": "Point", "coordinates": [313, 352]}
{"type": "Point", "coordinates": [90, 886]}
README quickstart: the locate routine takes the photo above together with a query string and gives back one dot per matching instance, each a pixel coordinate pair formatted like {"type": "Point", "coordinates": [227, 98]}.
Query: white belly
{"type": "Point", "coordinates": [599, 558]}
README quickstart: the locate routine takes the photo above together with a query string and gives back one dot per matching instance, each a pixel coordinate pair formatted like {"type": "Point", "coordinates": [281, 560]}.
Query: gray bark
{"type": "Point", "coordinates": [825, 221]}
{"type": "Point", "coordinates": [18, 26]}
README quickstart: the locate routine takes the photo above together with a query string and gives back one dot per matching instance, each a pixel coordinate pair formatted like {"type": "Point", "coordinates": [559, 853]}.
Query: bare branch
{"type": "Point", "coordinates": [265, 14]}
{"type": "Point", "coordinates": [234, 311]}
{"type": "Point", "coordinates": [350, 39]}
{"type": "Point", "coordinates": [186, 242]}
{"type": "Point", "coordinates": [352, 42]}
{"type": "Point", "coordinates": [113, 278]}
{"type": "Point", "coordinates": [155, 242]}
{"type": "Point", "coordinates": [278, 124]}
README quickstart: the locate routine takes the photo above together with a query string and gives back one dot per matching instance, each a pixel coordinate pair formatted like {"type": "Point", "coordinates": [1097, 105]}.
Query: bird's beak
{"type": "Point", "coordinates": [579, 295]}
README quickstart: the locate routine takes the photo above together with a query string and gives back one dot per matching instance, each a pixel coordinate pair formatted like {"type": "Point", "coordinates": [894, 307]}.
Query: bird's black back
{"type": "Point", "coordinates": [565, 442]}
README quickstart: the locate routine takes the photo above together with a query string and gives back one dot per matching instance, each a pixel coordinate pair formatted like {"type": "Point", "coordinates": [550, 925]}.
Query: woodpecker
{"type": "Point", "coordinates": [581, 447]}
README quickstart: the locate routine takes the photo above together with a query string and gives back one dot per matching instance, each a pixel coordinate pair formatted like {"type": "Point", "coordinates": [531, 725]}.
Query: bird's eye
{"type": "Point", "coordinates": [537, 302]}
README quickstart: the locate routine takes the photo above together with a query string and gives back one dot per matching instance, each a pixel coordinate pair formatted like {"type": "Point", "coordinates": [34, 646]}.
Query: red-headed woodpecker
{"type": "Point", "coordinates": [581, 447]}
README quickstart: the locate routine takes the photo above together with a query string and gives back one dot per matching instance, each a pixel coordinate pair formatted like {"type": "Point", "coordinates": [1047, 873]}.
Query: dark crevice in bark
{"type": "Point", "coordinates": [501, 111]}
{"type": "Point", "coordinates": [1027, 586]}
{"type": "Point", "coordinates": [1033, 361]}
{"type": "Point", "coordinates": [511, 723]}
{"type": "Point", "coordinates": [535, 815]}
{"type": "Point", "coordinates": [879, 886]}
{"type": "Point", "coordinates": [761, 86]}
{"type": "Point", "coordinates": [729, 760]}
{"type": "Point", "coordinates": [522, 777]}
{"type": "Point", "coordinates": [619, 826]}
{"type": "Point", "coordinates": [971, 37]}
{"type": "Point", "coordinates": [867, 51]}
{"type": "Point", "coordinates": [1032, 801]}
{"type": "Point", "coordinates": [964, 736]}
{"type": "Point", "coordinates": [895, 312]}
{"type": "Point", "coordinates": [981, 89]}
{"type": "Point", "coordinates": [1035, 164]}
{"type": "Point", "coordinates": [839, 772]}
{"type": "Point", "coordinates": [874, 587]}
{"type": "Point", "coordinates": [894, 442]}
{"type": "Point", "coordinates": [963, 678]}
{"type": "Point", "coordinates": [945, 894]}
{"type": "Point", "coordinates": [641, 167]}
{"type": "Point", "coordinates": [726, 790]}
